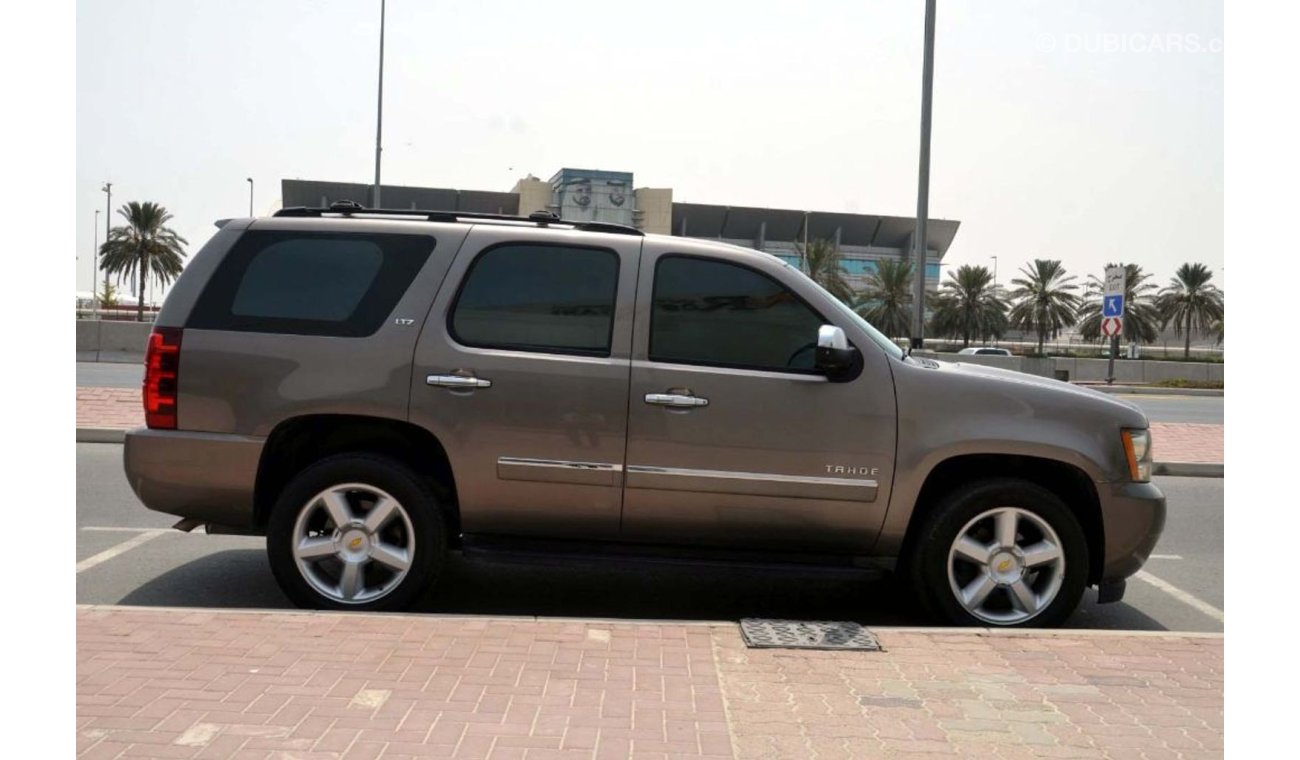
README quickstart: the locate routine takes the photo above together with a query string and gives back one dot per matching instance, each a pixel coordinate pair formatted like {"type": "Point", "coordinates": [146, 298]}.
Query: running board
{"type": "Point", "coordinates": [559, 551]}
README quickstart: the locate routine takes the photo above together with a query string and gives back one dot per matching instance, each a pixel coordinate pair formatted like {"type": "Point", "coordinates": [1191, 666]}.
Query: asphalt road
{"type": "Point", "coordinates": [110, 375]}
{"type": "Point", "coordinates": [132, 565]}
{"type": "Point", "coordinates": [1157, 408]}
{"type": "Point", "coordinates": [1198, 409]}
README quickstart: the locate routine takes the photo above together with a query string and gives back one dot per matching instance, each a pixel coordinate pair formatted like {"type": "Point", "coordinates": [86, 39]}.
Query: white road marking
{"type": "Point", "coordinates": [121, 548]}
{"type": "Point", "coordinates": [1181, 595]}
{"type": "Point", "coordinates": [108, 529]}
{"type": "Point", "coordinates": [1165, 556]}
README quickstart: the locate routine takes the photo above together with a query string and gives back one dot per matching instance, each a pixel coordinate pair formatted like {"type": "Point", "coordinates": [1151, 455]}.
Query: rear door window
{"type": "Point", "coordinates": [303, 283]}
{"type": "Point", "coordinates": [530, 297]}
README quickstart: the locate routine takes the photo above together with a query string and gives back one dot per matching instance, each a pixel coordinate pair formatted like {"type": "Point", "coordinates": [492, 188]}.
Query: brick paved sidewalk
{"type": "Point", "coordinates": [1174, 442]}
{"type": "Point", "coordinates": [234, 684]}
{"type": "Point", "coordinates": [119, 408]}
{"type": "Point", "coordinates": [1187, 442]}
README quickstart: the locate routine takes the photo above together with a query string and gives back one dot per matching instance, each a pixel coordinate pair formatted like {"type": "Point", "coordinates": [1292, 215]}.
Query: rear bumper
{"type": "Point", "coordinates": [205, 476]}
{"type": "Point", "coordinates": [1133, 516]}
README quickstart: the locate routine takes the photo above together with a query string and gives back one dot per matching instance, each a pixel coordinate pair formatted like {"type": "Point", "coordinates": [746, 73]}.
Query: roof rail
{"type": "Point", "coordinates": [347, 208]}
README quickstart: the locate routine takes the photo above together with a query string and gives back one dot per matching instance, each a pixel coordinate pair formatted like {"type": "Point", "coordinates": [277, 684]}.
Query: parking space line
{"type": "Point", "coordinates": [1181, 595]}
{"type": "Point", "coordinates": [114, 529]}
{"type": "Point", "coordinates": [1165, 556]}
{"type": "Point", "coordinates": [121, 548]}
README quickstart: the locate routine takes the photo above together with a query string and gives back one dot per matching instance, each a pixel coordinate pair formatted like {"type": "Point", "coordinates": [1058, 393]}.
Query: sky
{"type": "Point", "coordinates": [1087, 131]}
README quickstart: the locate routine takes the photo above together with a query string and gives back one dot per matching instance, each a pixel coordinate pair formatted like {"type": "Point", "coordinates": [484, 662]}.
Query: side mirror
{"type": "Point", "coordinates": [835, 357]}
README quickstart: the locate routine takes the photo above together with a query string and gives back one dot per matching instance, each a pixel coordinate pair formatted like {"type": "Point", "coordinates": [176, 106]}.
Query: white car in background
{"type": "Point", "coordinates": [983, 351]}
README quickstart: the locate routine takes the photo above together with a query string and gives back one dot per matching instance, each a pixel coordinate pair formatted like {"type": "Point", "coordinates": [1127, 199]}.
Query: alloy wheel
{"type": "Point", "coordinates": [1006, 566]}
{"type": "Point", "coordinates": [353, 543]}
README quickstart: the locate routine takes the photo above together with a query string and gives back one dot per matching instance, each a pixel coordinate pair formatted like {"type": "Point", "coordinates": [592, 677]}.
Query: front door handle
{"type": "Point", "coordinates": [458, 381]}
{"type": "Point", "coordinates": [676, 400]}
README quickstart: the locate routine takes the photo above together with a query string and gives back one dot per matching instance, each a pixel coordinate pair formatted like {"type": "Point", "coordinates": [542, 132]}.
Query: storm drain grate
{"type": "Point", "coordinates": [807, 634]}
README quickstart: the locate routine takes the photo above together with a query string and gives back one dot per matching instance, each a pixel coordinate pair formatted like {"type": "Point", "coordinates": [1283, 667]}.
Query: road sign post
{"type": "Point", "coordinates": [1112, 314]}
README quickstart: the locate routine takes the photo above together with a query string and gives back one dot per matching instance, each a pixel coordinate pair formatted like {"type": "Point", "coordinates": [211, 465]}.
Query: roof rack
{"type": "Point", "coordinates": [539, 218]}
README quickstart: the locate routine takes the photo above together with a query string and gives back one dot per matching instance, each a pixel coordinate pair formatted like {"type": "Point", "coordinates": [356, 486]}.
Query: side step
{"type": "Point", "coordinates": [555, 551]}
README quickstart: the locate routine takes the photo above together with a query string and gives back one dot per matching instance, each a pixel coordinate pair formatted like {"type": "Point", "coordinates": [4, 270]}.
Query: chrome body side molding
{"type": "Point", "coordinates": [756, 483]}
{"type": "Point", "coordinates": [560, 471]}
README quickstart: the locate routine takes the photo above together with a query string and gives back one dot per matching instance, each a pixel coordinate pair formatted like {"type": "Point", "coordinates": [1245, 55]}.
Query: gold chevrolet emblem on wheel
{"type": "Point", "coordinates": [1003, 566]}
{"type": "Point", "coordinates": [354, 543]}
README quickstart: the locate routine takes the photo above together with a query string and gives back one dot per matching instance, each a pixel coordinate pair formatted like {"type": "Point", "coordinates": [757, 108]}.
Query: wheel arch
{"type": "Point", "coordinates": [1067, 481]}
{"type": "Point", "coordinates": [297, 442]}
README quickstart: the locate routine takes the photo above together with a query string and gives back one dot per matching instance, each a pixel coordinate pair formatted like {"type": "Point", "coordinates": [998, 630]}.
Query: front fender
{"type": "Point", "coordinates": [950, 411]}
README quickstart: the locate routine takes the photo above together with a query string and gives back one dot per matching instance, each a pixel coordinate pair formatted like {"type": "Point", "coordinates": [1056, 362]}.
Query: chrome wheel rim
{"type": "Point", "coordinates": [353, 543]}
{"type": "Point", "coordinates": [1006, 566]}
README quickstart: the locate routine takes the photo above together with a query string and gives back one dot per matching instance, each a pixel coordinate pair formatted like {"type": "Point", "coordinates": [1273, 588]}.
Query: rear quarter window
{"type": "Point", "coordinates": [303, 283]}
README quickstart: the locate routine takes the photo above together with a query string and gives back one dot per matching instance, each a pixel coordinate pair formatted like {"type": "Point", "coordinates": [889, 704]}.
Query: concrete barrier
{"type": "Point", "coordinates": [1129, 371]}
{"type": "Point", "coordinates": [111, 341]}
{"type": "Point", "coordinates": [1142, 371]}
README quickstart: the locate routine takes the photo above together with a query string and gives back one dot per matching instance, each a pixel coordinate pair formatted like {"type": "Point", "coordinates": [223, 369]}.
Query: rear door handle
{"type": "Point", "coordinates": [458, 381]}
{"type": "Point", "coordinates": [676, 400]}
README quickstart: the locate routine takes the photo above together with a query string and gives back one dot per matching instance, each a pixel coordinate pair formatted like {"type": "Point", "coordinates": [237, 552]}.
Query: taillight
{"type": "Point", "coordinates": [162, 362]}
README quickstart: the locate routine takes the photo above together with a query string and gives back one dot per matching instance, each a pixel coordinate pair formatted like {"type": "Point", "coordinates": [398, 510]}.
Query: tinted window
{"type": "Point", "coordinates": [308, 279]}
{"type": "Point", "coordinates": [538, 298]}
{"type": "Point", "coordinates": [300, 283]}
{"type": "Point", "coordinates": [712, 312]}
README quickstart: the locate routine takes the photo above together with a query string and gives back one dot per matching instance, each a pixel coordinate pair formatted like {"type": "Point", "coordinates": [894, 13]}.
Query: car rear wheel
{"type": "Point", "coordinates": [1001, 553]}
{"type": "Point", "coordinates": [356, 532]}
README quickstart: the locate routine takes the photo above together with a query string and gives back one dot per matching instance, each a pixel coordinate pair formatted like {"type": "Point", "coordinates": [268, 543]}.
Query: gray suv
{"type": "Point", "coordinates": [372, 389]}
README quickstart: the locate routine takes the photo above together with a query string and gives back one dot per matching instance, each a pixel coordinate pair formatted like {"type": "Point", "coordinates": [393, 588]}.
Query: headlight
{"type": "Point", "coordinates": [1137, 447]}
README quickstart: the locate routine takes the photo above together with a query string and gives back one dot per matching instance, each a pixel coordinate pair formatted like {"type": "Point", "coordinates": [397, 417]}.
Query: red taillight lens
{"type": "Point", "coordinates": [162, 362]}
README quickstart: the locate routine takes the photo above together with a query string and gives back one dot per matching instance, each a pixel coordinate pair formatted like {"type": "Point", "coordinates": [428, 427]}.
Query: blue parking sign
{"type": "Point", "coordinates": [1112, 306]}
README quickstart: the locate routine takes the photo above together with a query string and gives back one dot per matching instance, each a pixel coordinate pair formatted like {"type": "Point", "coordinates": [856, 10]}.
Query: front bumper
{"type": "Point", "coordinates": [209, 477]}
{"type": "Point", "coordinates": [1133, 515]}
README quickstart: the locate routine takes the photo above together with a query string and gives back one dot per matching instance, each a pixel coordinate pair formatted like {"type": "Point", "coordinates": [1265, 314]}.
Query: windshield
{"type": "Point", "coordinates": [887, 345]}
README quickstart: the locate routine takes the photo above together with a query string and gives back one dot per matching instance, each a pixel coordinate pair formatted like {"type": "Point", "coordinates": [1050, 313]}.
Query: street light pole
{"type": "Point", "coordinates": [923, 181]}
{"type": "Point", "coordinates": [995, 275]}
{"type": "Point", "coordinates": [250, 196]}
{"type": "Point", "coordinates": [108, 213]}
{"type": "Point", "coordinates": [379, 120]}
{"type": "Point", "coordinates": [94, 271]}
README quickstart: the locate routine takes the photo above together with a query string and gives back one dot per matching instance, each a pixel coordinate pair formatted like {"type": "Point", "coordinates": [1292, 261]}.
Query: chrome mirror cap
{"type": "Point", "coordinates": [830, 336]}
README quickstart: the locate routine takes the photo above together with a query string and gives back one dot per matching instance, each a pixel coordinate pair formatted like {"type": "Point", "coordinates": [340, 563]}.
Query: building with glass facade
{"type": "Point", "coordinates": [611, 196]}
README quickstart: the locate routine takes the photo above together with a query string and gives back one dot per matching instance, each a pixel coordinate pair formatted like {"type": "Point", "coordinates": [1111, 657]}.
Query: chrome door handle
{"type": "Point", "coordinates": [457, 381]}
{"type": "Point", "coordinates": [676, 400]}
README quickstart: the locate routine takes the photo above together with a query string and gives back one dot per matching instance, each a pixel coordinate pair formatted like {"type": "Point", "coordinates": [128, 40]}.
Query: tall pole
{"type": "Point", "coordinates": [108, 214]}
{"type": "Point", "coordinates": [379, 120]}
{"type": "Point", "coordinates": [923, 182]}
{"type": "Point", "coordinates": [995, 275]}
{"type": "Point", "coordinates": [250, 196]}
{"type": "Point", "coordinates": [94, 271]}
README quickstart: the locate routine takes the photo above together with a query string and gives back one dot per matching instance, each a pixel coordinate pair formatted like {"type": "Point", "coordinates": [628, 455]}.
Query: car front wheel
{"type": "Point", "coordinates": [1001, 553]}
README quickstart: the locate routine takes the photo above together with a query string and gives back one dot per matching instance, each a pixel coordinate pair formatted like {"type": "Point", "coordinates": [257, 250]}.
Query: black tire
{"type": "Point", "coordinates": [928, 565]}
{"type": "Point", "coordinates": [413, 494]}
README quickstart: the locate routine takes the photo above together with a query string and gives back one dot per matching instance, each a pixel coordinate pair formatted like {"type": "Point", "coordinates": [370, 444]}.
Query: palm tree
{"type": "Point", "coordinates": [1141, 318]}
{"type": "Point", "coordinates": [144, 247]}
{"type": "Point", "coordinates": [1190, 302]}
{"type": "Point", "coordinates": [1045, 300]}
{"type": "Point", "coordinates": [108, 296]}
{"type": "Point", "coordinates": [968, 306]}
{"type": "Point", "coordinates": [886, 301]}
{"type": "Point", "coordinates": [820, 260]}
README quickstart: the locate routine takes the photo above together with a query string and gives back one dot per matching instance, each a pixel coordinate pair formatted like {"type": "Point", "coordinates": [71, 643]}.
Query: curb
{"type": "Point", "coordinates": [598, 621]}
{"type": "Point", "coordinates": [1146, 390]}
{"type": "Point", "coordinates": [1188, 469]}
{"type": "Point", "coordinates": [101, 435]}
